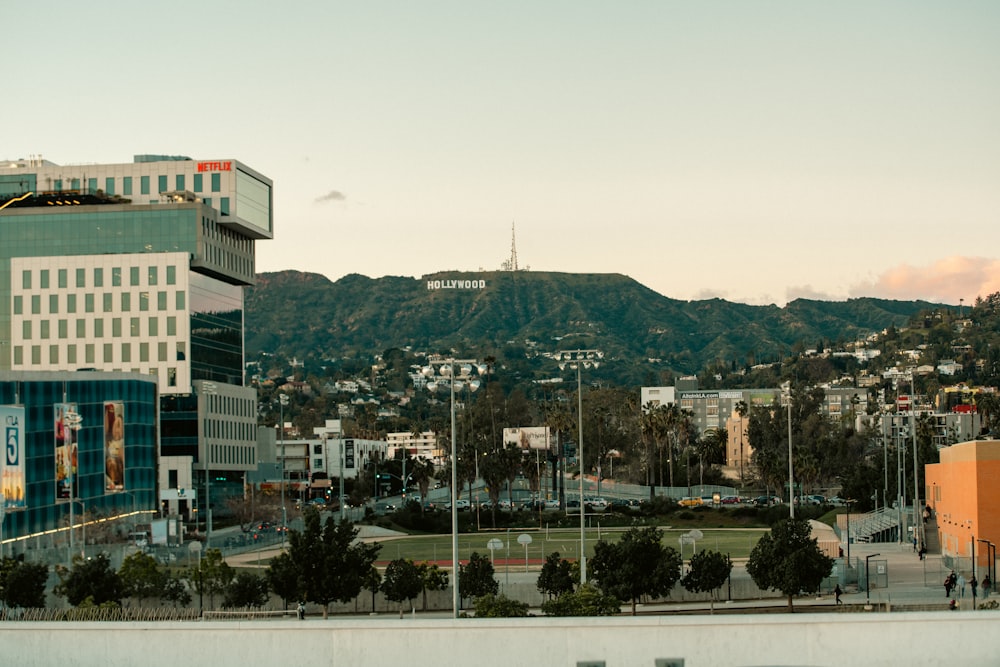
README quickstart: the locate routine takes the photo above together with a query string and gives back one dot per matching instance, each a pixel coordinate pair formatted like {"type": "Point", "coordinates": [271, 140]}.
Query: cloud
{"type": "Point", "coordinates": [809, 292]}
{"type": "Point", "coordinates": [945, 281]}
{"type": "Point", "coordinates": [332, 195]}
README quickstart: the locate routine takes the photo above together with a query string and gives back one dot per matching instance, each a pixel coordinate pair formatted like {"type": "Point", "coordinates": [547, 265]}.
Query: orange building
{"type": "Point", "coordinates": [964, 491]}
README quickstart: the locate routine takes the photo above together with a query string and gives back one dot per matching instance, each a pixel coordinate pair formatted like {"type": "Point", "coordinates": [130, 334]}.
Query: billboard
{"type": "Point", "coordinates": [66, 429]}
{"type": "Point", "coordinates": [528, 437]}
{"type": "Point", "coordinates": [114, 446]}
{"type": "Point", "coordinates": [349, 454]}
{"type": "Point", "coordinates": [12, 423]}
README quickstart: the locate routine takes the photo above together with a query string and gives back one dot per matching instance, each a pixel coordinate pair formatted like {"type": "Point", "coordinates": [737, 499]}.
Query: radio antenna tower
{"type": "Point", "coordinates": [511, 264]}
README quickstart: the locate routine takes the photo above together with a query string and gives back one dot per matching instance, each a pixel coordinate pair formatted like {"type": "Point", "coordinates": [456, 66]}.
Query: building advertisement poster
{"type": "Point", "coordinates": [114, 446]}
{"type": "Point", "coordinates": [528, 437]}
{"type": "Point", "coordinates": [66, 431]}
{"type": "Point", "coordinates": [12, 423]}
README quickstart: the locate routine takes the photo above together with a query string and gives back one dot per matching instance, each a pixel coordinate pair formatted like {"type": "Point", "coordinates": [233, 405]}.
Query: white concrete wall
{"type": "Point", "coordinates": [910, 639]}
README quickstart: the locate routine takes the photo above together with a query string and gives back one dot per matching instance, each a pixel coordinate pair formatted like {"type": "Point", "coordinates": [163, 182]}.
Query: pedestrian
{"type": "Point", "coordinates": [961, 586]}
{"type": "Point", "coordinates": [974, 584]}
{"type": "Point", "coordinates": [923, 551]}
{"type": "Point", "coordinates": [302, 611]}
{"type": "Point", "coordinates": [837, 593]}
{"type": "Point", "coordinates": [987, 585]}
{"type": "Point", "coordinates": [914, 545]}
{"type": "Point", "coordinates": [949, 583]}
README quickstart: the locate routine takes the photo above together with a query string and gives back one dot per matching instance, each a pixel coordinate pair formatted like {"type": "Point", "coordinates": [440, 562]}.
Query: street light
{"type": "Point", "coordinates": [868, 583]}
{"type": "Point", "coordinates": [786, 393]}
{"type": "Point", "coordinates": [447, 370]}
{"type": "Point", "coordinates": [282, 402]}
{"type": "Point", "coordinates": [577, 359]}
{"type": "Point", "coordinates": [916, 486]}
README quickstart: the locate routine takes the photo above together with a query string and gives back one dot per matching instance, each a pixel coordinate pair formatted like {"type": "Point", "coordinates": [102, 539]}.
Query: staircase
{"type": "Point", "coordinates": [932, 540]}
{"type": "Point", "coordinates": [881, 525]}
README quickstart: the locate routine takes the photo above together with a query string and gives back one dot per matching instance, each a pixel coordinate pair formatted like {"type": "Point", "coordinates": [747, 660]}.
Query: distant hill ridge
{"type": "Point", "coordinates": [305, 314]}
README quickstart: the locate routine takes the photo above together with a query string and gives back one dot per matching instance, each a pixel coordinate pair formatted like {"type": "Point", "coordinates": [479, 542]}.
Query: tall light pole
{"type": "Point", "coordinates": [282, 402]}
{"type": "Point", "coordinates": [578, 359]}
{"type": "Point", "coordinates": [73, 422]}
{"type": "Point", "coordinates": [447, 369]}
{"type": "Point", "coordinates": [916, 485]}
{"type": "Point", "coordinates": [786, 392]}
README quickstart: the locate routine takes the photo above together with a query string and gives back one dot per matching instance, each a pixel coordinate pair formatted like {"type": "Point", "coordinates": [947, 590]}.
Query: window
{"type": "Point", "coordinates": [224, 205]}
{"type": "Point", "coordinates": [133, 327]}
{"type": "Point", "coordinates": [161, 351]}
{"type": "Point", "coordinates": [25, 279]}
{"type": "Point", "coordinates": [133, 276]}
{"type": "Point", "coordinates": [171, 377]}
{"type": "Point", "coordinates": [18, 355]}
{"type": "Point", "coordinates": [152, 275]}
{"type": "Point", "coordinates": [18, 305]}
{"type": "Point", "coordinates": [109, 353]}
{"type": "Point", "coordinates": [53, 354]}
{"type": "Point", "coordinates": [108, 302]}
{"type": "Point", "coordinates": [161, 300]}
{"type": "Point", "coordinates": [81, 277]}
{"type": "Point", "coordinates": [71, 353]}
{"type": "Point", "coordinates": [36, 355]}
{"type": "Point", "coordinates": [171, 275]}
{"type": "Point", "coordinates": [36, 304]}
{"type": "Point", "coordinates": [26, 329]}
{"type": "Point", "coordinates": [180, 300]}
{"type": "Point", "coordinates": [116, 276]}
{"type": "Point", "coordinates": [181, 351]}
{"type": "Point", "coordinates": [43, 278]}
{"type": "Point", "coordinates": [127, 186]}
{"type": "Point", "coordinates": [197, 182]}
{"type": "Point", "coordinates": [144, 185]}
{"type": "Point", "coordinates": [216, 182]}
{"type": "Point", "coordinates": [179, 181]}
{"type": "Point", "coordinates": [53, 303]}
{"type": "Point", "coordinates": [70, 303]}
{"type": "Point", "coordinates": [109, 185]}
{"type": "Point", "coordinates": [88, 353]}
{"type": "Point", "coordinates": [99, 328]}
{"type": "Point", "coordinates": [171, 326]}
{"type": "Point", "coordinates": [74, 184]}
{"type": "Point", "coordinates": [143, 300]}
{"type": "Point", "coordinates": [63, 327]}
{"type": "Point", "coordinates": [81, 328]}
{"type": "Point", "coordinates": [62, 278]}
{"type": "Point", "coordinates": [116, 327]}
{"type": "Point", "coordinates": [57, 185]}
{"type": "Point", "coordinates": [317, 464]}
{"type": "Point", "coordinates": [143, 352]}
{"type": "Point", "coordinates": [318, 449]}
{"type": "Point", "coordinates": [126, 302]}
{"type": "Point", "coordinates": [43, 329]}
{"type": "Point", "coordinates": [162, 183]}
{"type": "Point", "coordinates": [154, 326]}
{"type": "Point", "coordinates": [88, 303]}
{"type": "Point", "coordinates": [98, 277]}
{"type": "Point", "coordinates": [126, 353]}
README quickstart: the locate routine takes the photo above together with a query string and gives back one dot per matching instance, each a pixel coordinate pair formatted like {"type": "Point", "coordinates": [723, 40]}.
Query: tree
{"type": "Point", "coordinates": [372, 581]}
{"type": "Point", "coordinates": [330, 565]}
{"type": "Point", "coordinates": [433, 578]}
{"type": "Point", "coordinates": [22, 584]}
{"type": "Point", "coordinates": [476, 578]}
{"type": "Point", "coordinates": [423, 473]}
{"type": "Point", "coordinates": [90, 579]}
{"type": "Point", "coordinates": [586, 601]}
{"type": "Point", "coordinates": [211, 576]}
{"type": "Point", "coordinates": [556, 576]}
{"type": "Point", "coordinates": [141, 577]}
{"type": "Point", "coordinates": [402, 582]}
{"type": "Point", "coordinates": [709, 570]}
{"type": "Point", "coordinates": [283, 578]}
{"type": "Point", "coordinates": [788, 560]}
{"type": "Point", "coordinates": [499, 606]}
{"type": "Point", "coordinates": [246, 590]}
{"type": "Point", "coordinates": [637, 565]}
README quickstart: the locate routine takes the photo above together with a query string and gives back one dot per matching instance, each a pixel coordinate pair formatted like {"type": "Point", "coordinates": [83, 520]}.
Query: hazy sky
{"type": "Point", "coordinates": [755, 151]}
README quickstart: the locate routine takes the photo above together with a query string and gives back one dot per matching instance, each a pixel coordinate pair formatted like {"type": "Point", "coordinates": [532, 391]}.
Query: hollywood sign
{"type": "Point", "coordinates": [456, 284]}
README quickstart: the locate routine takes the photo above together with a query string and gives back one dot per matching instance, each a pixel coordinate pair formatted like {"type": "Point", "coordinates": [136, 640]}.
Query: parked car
{"type": "Point", "coordinates": [816, 500]}
{"type": "Point", "coordinates": [690, 501]}
{"type": "Point", "coordinates": [460, 505]}
{"type": "Point", "coordinates": [730, 500]}
{"type": "Point", "coordinates": [552, 504]}
{"type": "Point", "coordinates": [596, 504]}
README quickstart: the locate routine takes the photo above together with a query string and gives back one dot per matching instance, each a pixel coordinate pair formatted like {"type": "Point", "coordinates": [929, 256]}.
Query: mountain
{"type": "Point", "coordinates": [306, 315]}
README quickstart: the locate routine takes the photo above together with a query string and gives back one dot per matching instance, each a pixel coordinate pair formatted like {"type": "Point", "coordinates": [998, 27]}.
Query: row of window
{"type": "Point", "coordinates": [234, 454]}
{"type": "Point", "coordinates": [162, 182]}
{"type": "Point", "coordinates": [97, 328]}
{"type": "Point", "coordinates": [90, 354]}
{"type": "Point", "coordinates": [135, 274]}
{"type": "Point", "coordinates": [107, 302]}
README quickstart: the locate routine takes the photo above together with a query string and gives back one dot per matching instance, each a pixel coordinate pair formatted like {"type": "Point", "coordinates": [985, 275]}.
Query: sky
{"type": "Point", "coordinates": [755, 151]}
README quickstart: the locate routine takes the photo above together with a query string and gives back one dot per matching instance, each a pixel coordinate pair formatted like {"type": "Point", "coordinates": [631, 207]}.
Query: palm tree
{"type": "Point", "coordinates": [422, 474]}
